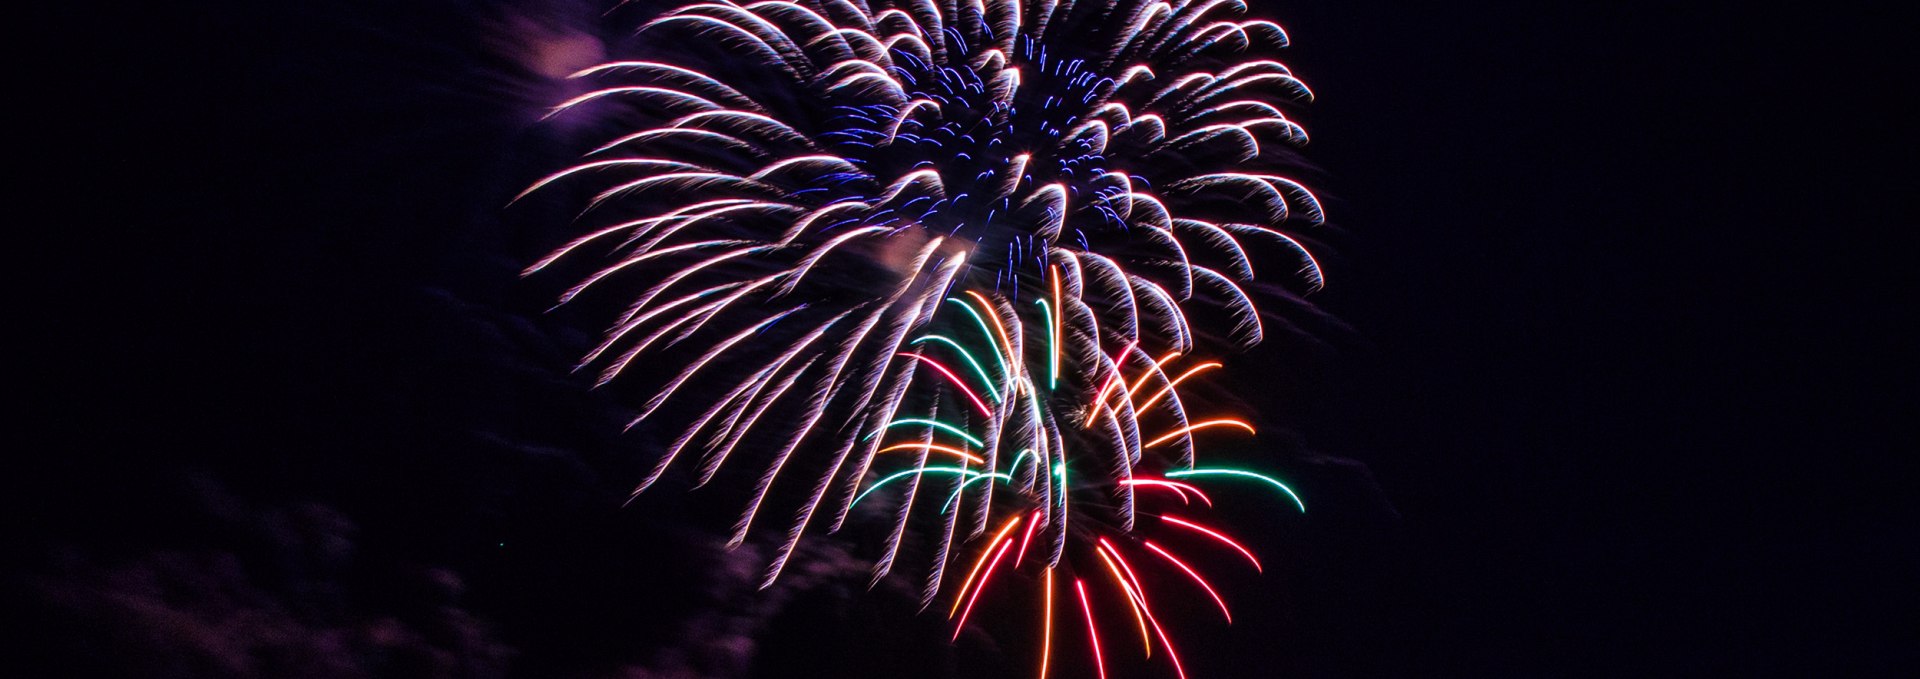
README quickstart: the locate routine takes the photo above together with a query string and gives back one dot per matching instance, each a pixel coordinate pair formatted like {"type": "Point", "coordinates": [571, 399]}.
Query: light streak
{"type": "Point", "coordinates": [936, 448]}
{"type": "Point", "coordinates": [954, 379]}
{"type": "Point", "coordinates": [1145, 608]}
{"type": "Point", "coordinates": [1217, 536]}
{"type": "Point", "coordinates": [1113, 378]}
{"type": "Point", "coordinates": [1196, 578]}
{"type": "Point", "coordinates": [1169, 389]}
{"type": "Point", "coordinates": [912, 472]}
{"type": "Point", "coordinates": [984, 579]}
{"type": "Point", "coordinates": [1025, 453]}
{"type": "Point", "coordinates": [1093, 630]}
{"type": "Point", "coordinates": [1053, 374]}
{"type": "Point", "coordinates": [1152, 369]}
{"type": "Point", "coordinates": [1025, 540]}
{"type": "Point", "coordinates": [1006, 341]}
{"type": "Point", "coordinates": [1046, 634]}
{"type": "Point", "coordinates": [1053, 344]}
{"type": "Point", "coordinates": [993, 390]}
{"type": "Point", "coordinates": [1239, 472]}
{"type": "Point", "coordinates": [1176, 487]}
{"type": "Point", "coordinates": [998, 356]}
{"type": "Point", "coordinates": [1133, 598]}
{"type": "Point", "coordinates": [1015, 521]}
{"type": "Point", "coordinates": [956, 431]}
{"type": "Point", "coordinates": [1177, 433]}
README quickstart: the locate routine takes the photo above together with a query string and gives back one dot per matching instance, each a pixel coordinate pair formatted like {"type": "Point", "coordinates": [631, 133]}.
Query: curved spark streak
{"type": "Point", "coordinates": [1153, 369]}
{"type": "Point", "coordinates": [1046, 643]}
{"type": "Point", "coordinates": [1169, 389]}
{"type": "Point", "coordinates": [737, 427]}
{"type": "Point", "coordinates": [936, 448]}
{"type": "Point", "coordinates": [993, 390]}
{"type": "Point", "coordinates": [955, 380]}
{"type": "Point", "coordinates": [1053, 344]}
{"type": "Point", "coordinates": [1093, 631]}
{"type": "Point", "coordinates": [1176, 487]}
{"type": "Point", "coordinates": [1196, 578]}
{"type": "Point", "coordinates": [1006, 342]}
{"type": "Point", "coordinates": [1026, 540]}
{"type": "Point", "coordinates": [1177, 433]}
{"type": "Point", "coordinates": [1141, 595]}
{"type": "Point", "coordinates": [984, 579]}
{"type": "Point", "coordinates": [1133, 599]}
{"type": "Point", "coordinates": [1236, 472]}
{"type": "Point", "coordinates": [916, 472]}
{"type": "Point", "coordinates": [956, 431]}
{"type": "Point", "coordinates": [1217, 536]}
{"type": "Point", "coordinates": [1113, 378]}
{"type": "Point", "coordinates": [948, 505]}
{"type": "Point", "coordinates": [1015, 521]}
{"type": "Point", "coordinates": [998, 356]}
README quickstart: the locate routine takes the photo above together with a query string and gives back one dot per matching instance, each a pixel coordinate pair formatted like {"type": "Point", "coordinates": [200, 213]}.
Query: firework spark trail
{"type": "Point", "coordinates": [1093, 630]}
{"type": "Point", "coordinates": [1182, 565]}
{"type": "Point", "coordinates": [989, 207]}
{"type": "Point", "coordinates": [1217, 536]}
{"type": "Point", "coordinates": [894, 538]}
{"type": "Point", "coordinates": [890, 404]}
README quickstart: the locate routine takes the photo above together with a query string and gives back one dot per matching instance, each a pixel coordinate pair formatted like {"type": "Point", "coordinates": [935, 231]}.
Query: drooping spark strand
{"type": "Point", "coordinates": [1093, 630]}
{"type": "Point", "coordinates": [953, 379]}
{"type": "Point", "coordinates": [1006, 341]}
{"type": "Point", "coordinates": [1217, 536]}
{"type": "Point", "coordinates": [943, 426]}
{"type": "Point", "coordinates": [1113, 378]}
{"type": "Point", "coordinates": [1133, 599]}
{"type": "Point", "coordinates": [1174, 486]}
{"type": "Point", "coordinates": [993, 390]}
{"type": "Point", "coordinates": [999, 356]}
{"type": "Point", "coordinates": [1153, 622]}
{"type": "Point", "coordinates": [985, 578]}
{"type": "Point", "coordinates": [1053, 373]}
{"type": "Point", "coordinates": [1240, 472]}
{"type": "Point", "coordinates": [1152, 370]}
{"type": "Point", "coordinates": [1177, 433]}
{"type": "Point", "coordinates": [1046, 634]}
{"type": "Point", "coordinates": [957, 596]}
{"type": "Point", "coordinates": [970, 457]}
{"type": "Point", "coordinates": [1026, 539]}
{"type": "Point", "coordinates": [1053, 343]}
{"type": "Point", "coordinates": [1169, 389]}
{"type": "Point", "coordinates": [916, 472]}
{"type": "Point", "coordinates": [1195, 575]}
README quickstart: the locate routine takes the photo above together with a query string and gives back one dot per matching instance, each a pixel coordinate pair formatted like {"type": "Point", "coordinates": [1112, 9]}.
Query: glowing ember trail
{"type": "Point", "coordinates": [1093, 629]}
{"type": "Point", "coordinates": [1046, 634]}
{"type": "Point", "coordinates": [1217, 536]}
{"type": "Point", "coordinates": [1196, 578]}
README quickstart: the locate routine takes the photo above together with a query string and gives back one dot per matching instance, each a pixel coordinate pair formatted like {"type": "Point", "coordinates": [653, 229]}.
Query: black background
{"type": "Point", "coordinates": [1624, 280]}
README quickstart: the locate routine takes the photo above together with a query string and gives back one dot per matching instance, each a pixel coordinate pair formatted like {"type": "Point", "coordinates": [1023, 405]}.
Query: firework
{"type": "Point", "coordinates": [1067, 496]}
{"type": "Point", "coordinates": [938, 237]}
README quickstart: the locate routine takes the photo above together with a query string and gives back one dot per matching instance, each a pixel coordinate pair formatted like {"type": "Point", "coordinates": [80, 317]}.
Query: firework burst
{"type": "Point", "coordinates": [913, 253]}
{"type": "Point", "coordinates": [1055, 482]}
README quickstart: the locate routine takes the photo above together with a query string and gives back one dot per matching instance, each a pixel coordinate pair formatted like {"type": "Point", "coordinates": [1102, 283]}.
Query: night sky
{"type": "Point", "coordinates": [1607, 383]}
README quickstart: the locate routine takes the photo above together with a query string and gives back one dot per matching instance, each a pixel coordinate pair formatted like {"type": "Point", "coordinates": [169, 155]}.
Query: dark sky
{"type": "Point", "coordinates": [1622, 281]}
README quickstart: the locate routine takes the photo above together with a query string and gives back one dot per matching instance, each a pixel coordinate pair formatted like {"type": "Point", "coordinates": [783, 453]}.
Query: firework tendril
{"type": "Point", "coordinates": [904, 261]}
